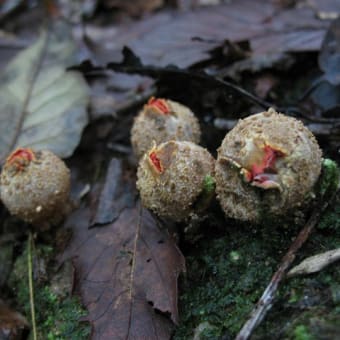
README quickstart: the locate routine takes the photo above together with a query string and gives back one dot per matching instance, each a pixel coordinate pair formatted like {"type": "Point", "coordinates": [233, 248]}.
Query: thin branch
{"type": "Point", "coordinates": [266, 300]}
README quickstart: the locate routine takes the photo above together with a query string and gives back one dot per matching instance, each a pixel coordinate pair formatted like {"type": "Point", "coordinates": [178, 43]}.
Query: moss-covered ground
{"type": "Point", "coordinates": [227, 271]}
{"type": "Point", "coordinates": [58, 313]}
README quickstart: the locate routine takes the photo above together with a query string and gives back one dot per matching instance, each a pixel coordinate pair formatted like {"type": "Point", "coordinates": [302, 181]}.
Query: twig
{"type": "Point", "coordinates": [30, 283]}
{"type": "Point", "coordinates": [266, 300]}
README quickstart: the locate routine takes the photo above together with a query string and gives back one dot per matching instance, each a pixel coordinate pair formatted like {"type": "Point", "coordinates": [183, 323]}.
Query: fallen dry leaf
{"type": "Point", "coordinates": [13, 325]}
{"type": "Point", "coordinates": [315, 263]}
{"type": "Point", "coordinates": [329, 57]}
{"type": "Point", "coordinates": [167, 37]}
{"type": "Point", "coordinates": [43, 105]}
{"type": "Point", "coordinates": [186, 38]}
{"type": "Point", "coordinates": [116, 195]}
{"type": "Point", "coordinates": [325, 97]}
{"type": "Point", "coordinates": [126, 273]}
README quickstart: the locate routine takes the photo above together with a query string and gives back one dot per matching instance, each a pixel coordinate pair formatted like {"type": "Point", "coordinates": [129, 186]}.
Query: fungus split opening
{"type": "Point", "coordinates": [264, 174]}
{"type": "Point", "coordinates": [19, 158]}
{"type": "Point", "coordinates": [159, 104]}
{"type": "Point", "coordinates": [155, 161]}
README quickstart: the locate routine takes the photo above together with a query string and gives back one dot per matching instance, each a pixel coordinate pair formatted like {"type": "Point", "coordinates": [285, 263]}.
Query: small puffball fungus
{"type": "Point", "coordinates": [35, 186]}
{"type": "Point", "coordinates": [267, 164]}
{"type": "Point", "coordinates": [175, 179]}
{"type": "Point", "coordinates": [162, 120]}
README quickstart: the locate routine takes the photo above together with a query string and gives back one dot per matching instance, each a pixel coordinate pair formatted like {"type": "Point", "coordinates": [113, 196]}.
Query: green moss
{"type": "Point", "coordinates": [206, 195]}
{"type": "Point", "coordinates": [301, 333]}
{"type": "Point", "coordinates": [330, 178]}
{"type": "Point", "coordinates": [331, 219]}
{"type": "Point", "coordinates": [209, 184]}
{"type": "Point", "coordinates": [227, 271]}
{"type": "Point", "coordinates": [229, 274]}
{"type": "Point", "coordinates": [62, 321]}
{"type": "Point", "coordinates": [57, 317]}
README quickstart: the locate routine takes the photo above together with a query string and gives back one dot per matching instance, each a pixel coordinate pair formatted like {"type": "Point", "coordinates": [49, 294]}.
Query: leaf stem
{"type": "Point", "coordinates": [30, 283]}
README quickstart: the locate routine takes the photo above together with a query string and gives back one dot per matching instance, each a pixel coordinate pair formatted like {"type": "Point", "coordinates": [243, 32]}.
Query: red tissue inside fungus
{"type": "Point", "coordinates": [261, 172]}
{"type": "Point", "coordinates": [155, 161]}
{"type": "Point", "coordinates": [20, 154]}
{"type": "Point", "coordinates": [159, 104]}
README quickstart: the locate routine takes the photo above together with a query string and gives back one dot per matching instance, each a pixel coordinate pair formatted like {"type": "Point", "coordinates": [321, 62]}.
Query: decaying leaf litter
{"type": "Point", "coordinates": [222, 282]}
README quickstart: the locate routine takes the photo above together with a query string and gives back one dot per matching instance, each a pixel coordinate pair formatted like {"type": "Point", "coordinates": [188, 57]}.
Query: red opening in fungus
{"type": "Point", "coordinates": [156, 161]}
{"type": "Point", "coordinates": [263, 174]}
{"type": "Point", "coordinates": [268, 161]}
{"type": "Point", "coordinates": [159, 104]}
{"type": "Point", "coordinates": [19, 158]}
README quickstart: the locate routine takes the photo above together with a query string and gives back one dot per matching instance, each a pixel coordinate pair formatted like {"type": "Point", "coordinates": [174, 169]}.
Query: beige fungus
{"type": "Point", "coordinates": [162, 120]}
{"type": "Point", "coordinates": [267, 164]}
{"type": "Point", "coordinates": [35, 190]}
{"type": "Point", "coordinates": [171, 177]}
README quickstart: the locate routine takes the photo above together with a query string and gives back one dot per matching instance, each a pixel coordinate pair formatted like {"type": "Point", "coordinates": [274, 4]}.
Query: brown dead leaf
{"type": "Point", "coordinates": [167, 37]}
{"type": "Point", "coordinates": [126, 273]}
{"type": "Point", "coordinates": [329, 57]}
{"type": "Point", "coordinates": [116, 195]}
{"type": "Point", "coordinates": [185, 38]}
{"type": "Point", "coordinates": [13, 325]}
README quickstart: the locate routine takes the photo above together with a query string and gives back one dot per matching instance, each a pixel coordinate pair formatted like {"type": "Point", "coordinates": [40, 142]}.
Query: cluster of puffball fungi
{"type": "Point", "coordinates": [35, 187]}
{"type": "Point", "coordinates": [268, 163]}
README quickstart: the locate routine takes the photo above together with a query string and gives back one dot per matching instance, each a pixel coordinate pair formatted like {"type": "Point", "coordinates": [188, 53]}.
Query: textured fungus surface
{"type": "Point", "coordinates": [172, 176]}
{"type": "Point", "coordinates": [267, 164]}
{"type": "Point", "coordinates": [35, 185]}
{"type": "Point", "coordinates": [162, 120]}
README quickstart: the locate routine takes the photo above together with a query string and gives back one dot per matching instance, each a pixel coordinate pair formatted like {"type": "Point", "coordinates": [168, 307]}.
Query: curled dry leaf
{"type": "Point", "coordinates": [315, 263]}
{"type": "Point", "coordinates": [43, 105]}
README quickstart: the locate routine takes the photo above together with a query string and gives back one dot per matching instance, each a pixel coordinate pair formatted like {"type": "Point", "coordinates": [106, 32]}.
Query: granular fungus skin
{"type": "Point", "coordinates": [267, 164]}
{"type": "Point", "coordinates": [171, 177]}
{"type": "Point", "coordinates": [163, 120]}
{"type": "Point", "coordinates": [35, 186]}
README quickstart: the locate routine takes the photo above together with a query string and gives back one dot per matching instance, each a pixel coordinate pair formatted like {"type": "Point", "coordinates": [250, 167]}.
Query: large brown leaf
{"type": "Point", "coordinates": [42, 105]}
{"type": "Point", "coordinates": [126, 273]}
{"type": "Point", "coordinates": [167, 37]}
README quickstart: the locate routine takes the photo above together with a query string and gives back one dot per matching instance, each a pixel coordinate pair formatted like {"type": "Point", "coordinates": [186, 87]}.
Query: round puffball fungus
{"type": "Point", "coordinates": [162, 120]}
{"type": "Point", "coordinates": [267, 164]}
{"type": "Point", "coordinates": [175, 179]}
{"type": "Point", "coordinates": [35, 186]}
